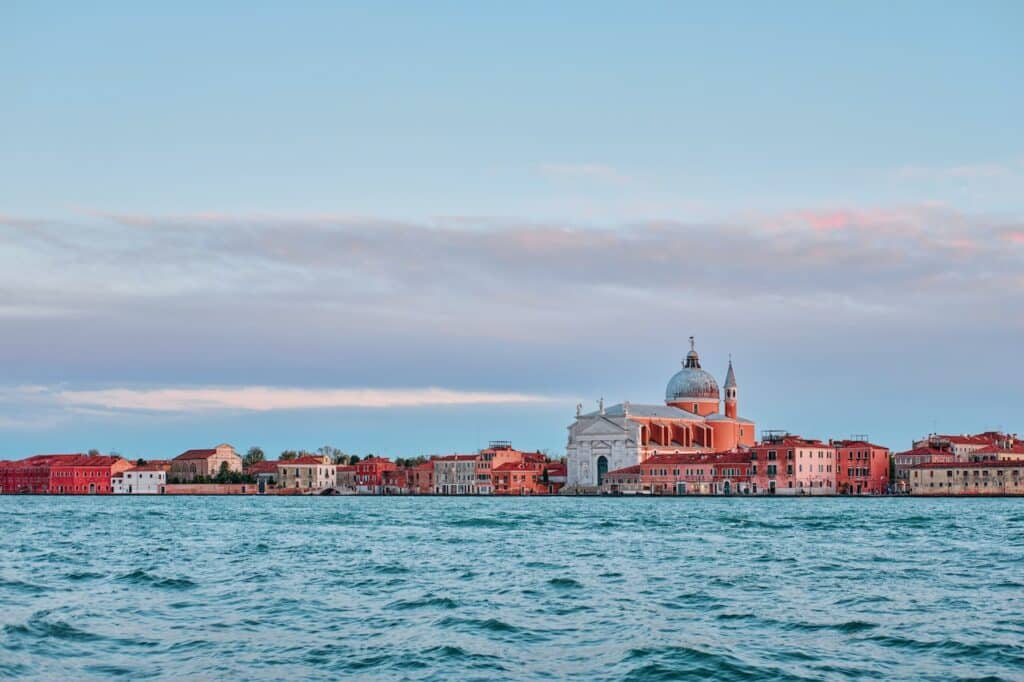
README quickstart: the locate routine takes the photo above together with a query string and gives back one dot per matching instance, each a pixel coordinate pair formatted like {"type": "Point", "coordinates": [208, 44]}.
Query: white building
{"type": "Point", "coordinates": [144, 479]}
{"type": "Point", "coordinates": [309, 472]}
{"type": "Point", "coordinates": [455, 475]}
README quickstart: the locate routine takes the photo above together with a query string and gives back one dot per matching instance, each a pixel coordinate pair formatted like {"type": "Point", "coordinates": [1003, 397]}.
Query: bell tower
{"type": "Point", "coordinates": [730, 392]}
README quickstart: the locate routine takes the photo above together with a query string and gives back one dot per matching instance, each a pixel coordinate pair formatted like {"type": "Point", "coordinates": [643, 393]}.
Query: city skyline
{"type": "Point", "coordinates": [413, 233]}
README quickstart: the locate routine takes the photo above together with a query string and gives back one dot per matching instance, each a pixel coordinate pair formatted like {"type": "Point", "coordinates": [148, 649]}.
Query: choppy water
{"type": "Point", "coordinates": [449, 588]}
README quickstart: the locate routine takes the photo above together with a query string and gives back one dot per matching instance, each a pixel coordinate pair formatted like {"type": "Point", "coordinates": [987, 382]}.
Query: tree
{"type": "Point", "coordinates": [254, 454]}
{"type": "Point", "coordinates": [287, 455]}
{"type": "Point", "coordinates": [353, 459]}
{"type": "Point", "coordinates": [331, 452]}
{"type": "Point", "coordinates": [94, 452]}
{"type": "Point", "coordinates": [139, 462]}
{"type": "Point", "coordinates": [223, 474]}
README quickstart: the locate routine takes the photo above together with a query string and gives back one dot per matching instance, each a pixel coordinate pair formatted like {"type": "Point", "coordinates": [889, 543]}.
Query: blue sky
{"type": "Point", "coordinates": [244, 223]}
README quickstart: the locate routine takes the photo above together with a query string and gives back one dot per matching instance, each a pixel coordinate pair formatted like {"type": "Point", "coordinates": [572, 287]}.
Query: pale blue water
{"type": "Point", "coordinates": [447, 588]}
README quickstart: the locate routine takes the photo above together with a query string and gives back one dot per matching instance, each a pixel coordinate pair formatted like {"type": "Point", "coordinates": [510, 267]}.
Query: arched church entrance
{"type": "Point", "coordinates": [602, 469]}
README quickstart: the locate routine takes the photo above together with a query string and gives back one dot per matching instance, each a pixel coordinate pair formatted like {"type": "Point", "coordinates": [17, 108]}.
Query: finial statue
{"type": "Point", "coordinates": [625, 408]}
{"type": "Point", "coordinates": [579, 409]}
{"type": "Point", "coordinates": [693, 344]}
{"type": "Point", "coordinates": [600, 405]}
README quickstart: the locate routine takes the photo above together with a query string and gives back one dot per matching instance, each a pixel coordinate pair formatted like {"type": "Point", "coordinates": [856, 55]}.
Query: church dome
{"type": "Point", "coordinates": [691, 382]}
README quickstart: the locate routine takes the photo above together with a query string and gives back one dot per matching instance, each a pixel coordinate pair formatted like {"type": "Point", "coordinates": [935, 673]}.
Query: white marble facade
{"type": "Point", "coordinates": [608, 434]}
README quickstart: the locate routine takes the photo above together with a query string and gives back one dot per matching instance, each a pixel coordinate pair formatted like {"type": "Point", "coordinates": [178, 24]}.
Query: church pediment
{"type": "Point", "coordinates": [602, 427]}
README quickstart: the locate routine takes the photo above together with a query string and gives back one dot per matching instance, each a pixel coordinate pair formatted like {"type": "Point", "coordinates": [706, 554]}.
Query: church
{"type": "Point", "coordinates": [690, 421]}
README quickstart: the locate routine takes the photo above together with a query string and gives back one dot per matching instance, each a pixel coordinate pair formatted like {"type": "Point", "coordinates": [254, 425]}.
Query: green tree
{"type": "Point", "coordinates": [353, 459]}
{"type": "Point", "coordinates": [94, 452]}
{"type": "Point", "coordinates": [287, 455]}
{"type": "Point", "coordinates": [223, 474]}
{"type": "Point", "coordinates": [253, 455]}
{"type": "Point", "coordinates": [139, 462]}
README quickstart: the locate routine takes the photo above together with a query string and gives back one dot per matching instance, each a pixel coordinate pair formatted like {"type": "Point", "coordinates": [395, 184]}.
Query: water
{"type": "Point", "coordinates": [449, 588]}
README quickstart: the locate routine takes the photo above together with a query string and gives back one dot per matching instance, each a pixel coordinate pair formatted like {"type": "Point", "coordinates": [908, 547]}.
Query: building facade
{"type": "Point", "coordinates": [455, 475]}
{"type": "Point", "coordinates": [370, 474]}
{"type": "Point", "coordinates": [862, 468]}
{"type": "Point", "coordinates": [903, 462]}
{"type": "Point", "coordinates": [62, 474]}
{"type": "Point", "coordinates": [785, 464]}
{"type": "Point", "coordinates": [207, 463]}
{"type": "Point", "coordinates": [993, 477]}
{"type": "Point", "coordinates": [691, 421]}
{"type": "Point", "coordinates": [142, 479]}
{"type": "Point", "coordinates": [307, 473]}
{"type": "Point", "coordinates": [727, 473]}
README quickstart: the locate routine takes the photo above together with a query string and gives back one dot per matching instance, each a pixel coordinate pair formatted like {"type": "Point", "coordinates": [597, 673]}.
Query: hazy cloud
{"type": "Point", "coordinates": [268, 398]}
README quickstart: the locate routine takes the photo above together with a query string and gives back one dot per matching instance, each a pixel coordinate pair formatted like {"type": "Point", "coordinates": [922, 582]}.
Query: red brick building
{"type": "Point", "coordinates": [395, 481]}
{"type": "Point", "coordinates": [61, 474]}
{"type": "Point", "coordinates": [370, 473]}
{"type": "Point", "coordinates": [31, 475]}
{"type": "Point", "coordinates": [861, 467]}
{"type": "Point", "coordinates": [421, 478]}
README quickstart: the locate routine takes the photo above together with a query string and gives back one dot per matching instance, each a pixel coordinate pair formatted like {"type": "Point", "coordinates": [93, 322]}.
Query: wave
{"type": "Point", "coordinates": [484, 522]}
{"type": "Point", "coordinates": [429, 601]}
{"type": "Point", "coordinates": [141, 577]}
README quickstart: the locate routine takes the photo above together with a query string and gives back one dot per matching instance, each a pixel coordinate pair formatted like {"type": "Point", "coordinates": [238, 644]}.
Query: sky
{"type": "Point", "coordinates": [413, 228]}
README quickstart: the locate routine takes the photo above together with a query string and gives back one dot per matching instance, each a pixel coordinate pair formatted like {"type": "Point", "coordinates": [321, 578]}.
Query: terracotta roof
{"type": "Point", "coordinates": [518, 466]}
{"type": "Point", "coordinates": [263, 467]}
{"type": "Point", "coordinates": [856, 444]}
{"type": "Point", "coordinates": [456, 458]}
{"type": "Point", "coordinates": [991, 464]}
{"type": "Point", "coordinates": [152, 466]}
{"type": "Point", "coordinates": [346, 467]}
{"type": "Point", "coordinates": [920, 452]}
{"type": "Point", "coordinates": [86, 461]}
{"type": "Point", "coordinates": [305, 460]}
{"type": "Point", "coordinates": [1016, 448]}
{"type": "Point", "coordinates": [976, 439]}
{"type": "Point", "coordinates": [197, 454]}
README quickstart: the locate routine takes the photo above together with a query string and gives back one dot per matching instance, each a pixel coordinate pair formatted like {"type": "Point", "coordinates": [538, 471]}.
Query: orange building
{"type": "Point", "coordinates": [861, 467]}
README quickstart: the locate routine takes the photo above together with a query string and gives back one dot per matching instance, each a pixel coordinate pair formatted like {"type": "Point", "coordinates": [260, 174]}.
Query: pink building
{"type": "Point", "coordinates": [792, 465]}
{"type": "Point", "coordinates": [725, 473]}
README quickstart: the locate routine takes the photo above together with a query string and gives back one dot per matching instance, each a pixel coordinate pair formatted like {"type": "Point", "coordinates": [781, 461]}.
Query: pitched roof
{"type": "Point", "coordinates": [519, 466]}
{"type": "Point", "coordinates": [857, 444]}
{"type": "Point", "coordinates": [1016, 448]}
{"type": "Point", "coordinates": [305, 460]}
{"type": "Point", "coordinates": [991, 464]}
{"type": "Point", "coordinates": [923, 451]}
{"type": "Point", "coordinates": [155, 465]}
{"type": "Point", "coordinates": [197, 454]}
{"type": "Point", "coordinates": [264, 467]}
